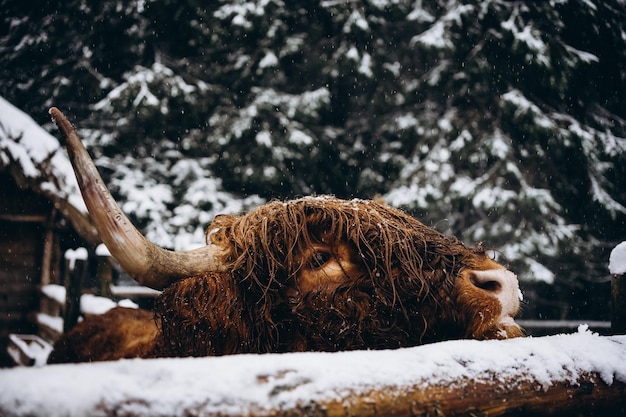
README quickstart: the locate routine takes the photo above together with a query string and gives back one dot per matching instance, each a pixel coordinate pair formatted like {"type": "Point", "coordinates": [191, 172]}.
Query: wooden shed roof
{"type": "Point", "coordinates": [36, 161]}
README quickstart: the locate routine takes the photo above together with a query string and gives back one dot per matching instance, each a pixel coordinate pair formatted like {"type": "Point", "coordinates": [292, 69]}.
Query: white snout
{"type": "Point", "coordinates": [503, 285]}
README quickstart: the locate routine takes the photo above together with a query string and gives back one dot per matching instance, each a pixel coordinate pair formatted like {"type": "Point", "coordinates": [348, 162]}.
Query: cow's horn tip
{"type": "Point", "coordinates": [61, 121]}
{"type": "Point", "coordinates": [54, 112]}
{"type": "Point", "coordinates": [57, 115]}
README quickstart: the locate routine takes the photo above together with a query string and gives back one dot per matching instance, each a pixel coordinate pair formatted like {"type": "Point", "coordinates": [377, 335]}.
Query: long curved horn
{"type": "Point", "coordinates": [147, 263]}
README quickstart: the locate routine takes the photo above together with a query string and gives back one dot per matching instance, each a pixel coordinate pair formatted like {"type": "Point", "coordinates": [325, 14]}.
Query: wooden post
{"type": "Point", "coordinates": [105, 272]}
{"type": "Point", "coordinates": [46, 262]}
{"type": "Point", "coordinates": [49, 266]}
{"type": "Point", "coordinates": [618, 304]}
{"type": "Point", "coordinates": [75, 272]}
{"type": "Point", "coordinates": [617, 266]}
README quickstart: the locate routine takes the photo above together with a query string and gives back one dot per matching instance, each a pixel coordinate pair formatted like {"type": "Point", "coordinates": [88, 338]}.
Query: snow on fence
{"type": "Point", "coordinates": [617, 267]}
{"type": "Point", "coordinates": [581, 373]}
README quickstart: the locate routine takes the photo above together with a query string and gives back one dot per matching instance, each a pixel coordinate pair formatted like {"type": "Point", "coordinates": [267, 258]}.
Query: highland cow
{"type": "Point", "coordinates": [312, 274]}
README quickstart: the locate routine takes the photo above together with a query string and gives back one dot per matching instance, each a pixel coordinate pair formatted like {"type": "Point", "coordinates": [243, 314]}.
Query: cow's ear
{"type": "Point", "coordinates": [218, 230]}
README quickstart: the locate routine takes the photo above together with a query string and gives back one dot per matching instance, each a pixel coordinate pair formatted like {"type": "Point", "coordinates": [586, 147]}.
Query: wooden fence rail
{"type": "Point", "coordinates": [577, 374]}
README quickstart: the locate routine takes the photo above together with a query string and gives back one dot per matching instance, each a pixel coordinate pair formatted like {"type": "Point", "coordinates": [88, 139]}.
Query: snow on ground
{"type": "Point", "coordinates": [253, 383]}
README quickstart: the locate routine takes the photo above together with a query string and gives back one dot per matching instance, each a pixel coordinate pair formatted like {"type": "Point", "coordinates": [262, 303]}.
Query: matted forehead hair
{"type": "Point", "coordinates": [266, 245]}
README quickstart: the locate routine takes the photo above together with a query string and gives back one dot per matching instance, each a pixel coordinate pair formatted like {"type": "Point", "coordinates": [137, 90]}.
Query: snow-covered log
{"type": "Point", "coordinates": [581, 373]}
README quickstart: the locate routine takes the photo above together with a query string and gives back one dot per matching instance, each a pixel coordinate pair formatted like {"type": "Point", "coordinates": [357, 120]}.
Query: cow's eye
{"type": "Point", "coordinates": [319, 259]}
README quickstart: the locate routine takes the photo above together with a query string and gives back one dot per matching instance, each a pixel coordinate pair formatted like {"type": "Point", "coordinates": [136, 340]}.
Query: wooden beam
{"type": "Point", "coordinates": [24, 218]}
{"type": "Point", "coordinates": [586, 396]}
{"type": "Point", "coordinates": [577, 374]}
{"type": "Point", "coordinates": [48, 250]}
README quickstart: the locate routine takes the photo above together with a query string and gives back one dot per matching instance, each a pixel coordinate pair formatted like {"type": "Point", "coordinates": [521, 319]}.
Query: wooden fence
{"type": "Point", "coordinates": [576, 374]}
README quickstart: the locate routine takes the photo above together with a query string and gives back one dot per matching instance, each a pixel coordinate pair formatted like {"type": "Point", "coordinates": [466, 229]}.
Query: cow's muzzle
{"type": "Point", "coordinates": [504, 286]}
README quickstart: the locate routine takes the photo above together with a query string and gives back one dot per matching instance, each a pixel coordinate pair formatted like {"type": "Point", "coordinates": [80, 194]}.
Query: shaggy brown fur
{"type": "Point", "coordinates": [120, 333]}
{"type": "Point", "coordinates": [325, 274]}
